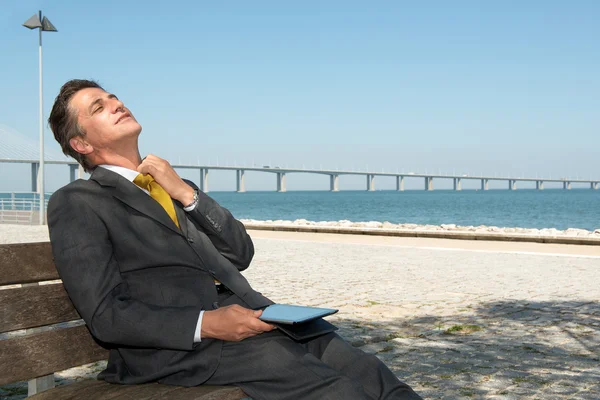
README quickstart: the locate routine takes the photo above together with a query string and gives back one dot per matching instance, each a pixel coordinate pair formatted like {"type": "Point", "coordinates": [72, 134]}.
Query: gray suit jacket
{"type": "Point", "coordinates": [139, 282]}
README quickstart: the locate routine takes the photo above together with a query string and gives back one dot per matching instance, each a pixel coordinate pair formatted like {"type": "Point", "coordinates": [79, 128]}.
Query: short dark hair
{"type": "Point", "coordinates": [63, 119]}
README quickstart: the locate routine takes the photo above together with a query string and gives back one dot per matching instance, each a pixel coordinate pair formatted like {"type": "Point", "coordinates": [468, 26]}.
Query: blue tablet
{"type": "Point", "coordinates": [290, 314]}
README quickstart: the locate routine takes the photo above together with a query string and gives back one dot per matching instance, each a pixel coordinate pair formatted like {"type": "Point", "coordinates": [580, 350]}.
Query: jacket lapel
{"type": "Point", "coordinates": [181, 217]}
{"type": "Point", "coordinates": [135, 198]}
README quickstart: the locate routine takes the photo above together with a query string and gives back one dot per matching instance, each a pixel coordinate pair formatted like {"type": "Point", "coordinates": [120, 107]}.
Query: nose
{"type": "Point", "coordinates": [118, 106]}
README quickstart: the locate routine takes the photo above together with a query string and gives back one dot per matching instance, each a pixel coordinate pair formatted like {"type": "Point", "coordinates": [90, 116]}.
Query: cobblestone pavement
{"type": "Point", "coordinates": [453, 324]}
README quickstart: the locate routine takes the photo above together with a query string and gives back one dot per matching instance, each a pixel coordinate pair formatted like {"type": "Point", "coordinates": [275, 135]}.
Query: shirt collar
{"type": "Point", "coordinates": [126, 173]}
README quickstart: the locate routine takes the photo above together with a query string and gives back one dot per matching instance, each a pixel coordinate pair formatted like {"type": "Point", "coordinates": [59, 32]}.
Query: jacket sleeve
{"type": "Point", "coordinates": [83, 254]}
{"type": "Point", "coordinates": [225, 232]}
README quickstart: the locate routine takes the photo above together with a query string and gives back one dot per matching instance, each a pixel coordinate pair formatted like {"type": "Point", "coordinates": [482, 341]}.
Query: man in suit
{"type": "Point", "coordinates": [153, 265]}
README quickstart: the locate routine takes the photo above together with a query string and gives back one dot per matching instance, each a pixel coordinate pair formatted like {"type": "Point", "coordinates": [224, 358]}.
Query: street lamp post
{"type": "Point", "coordinates": [44, 24]}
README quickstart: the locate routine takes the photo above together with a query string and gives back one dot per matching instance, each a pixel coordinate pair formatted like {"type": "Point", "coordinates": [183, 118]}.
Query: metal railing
{"type": "Point", "coordinates": [16, 217]}
{"type": "Point", "coordinates": [20, 208]}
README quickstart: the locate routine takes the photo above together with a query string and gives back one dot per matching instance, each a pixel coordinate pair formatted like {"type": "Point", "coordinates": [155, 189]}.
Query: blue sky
{"type": "Point", "coordinates": [507, 87]}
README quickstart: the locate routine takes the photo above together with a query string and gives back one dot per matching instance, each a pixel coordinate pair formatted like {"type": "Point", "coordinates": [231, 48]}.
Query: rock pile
{"type": "Point", "coordinates": [549, 232]}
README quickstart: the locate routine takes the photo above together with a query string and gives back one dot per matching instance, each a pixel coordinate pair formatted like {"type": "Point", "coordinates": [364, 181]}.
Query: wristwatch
{"type": "Point", "coordinates": [194, 202]}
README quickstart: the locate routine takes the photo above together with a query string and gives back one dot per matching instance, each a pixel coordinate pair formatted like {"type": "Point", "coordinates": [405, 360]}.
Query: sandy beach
{"type": "Point", "coordinates": [455, 319]}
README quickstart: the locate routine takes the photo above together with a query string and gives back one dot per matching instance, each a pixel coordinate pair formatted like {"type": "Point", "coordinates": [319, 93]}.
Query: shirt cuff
{"type": "Point", "coordinates": [191, 208]}
{"type": "Point", "coordinates": [197, 338]}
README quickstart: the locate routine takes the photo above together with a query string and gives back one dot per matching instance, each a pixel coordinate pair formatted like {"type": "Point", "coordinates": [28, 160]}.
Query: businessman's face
{"type": "Point", "coordinates": [104, 119]}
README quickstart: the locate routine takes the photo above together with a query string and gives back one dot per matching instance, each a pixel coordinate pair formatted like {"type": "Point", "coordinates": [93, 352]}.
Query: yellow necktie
{"type": "Point", "coordinates": [157, 193]}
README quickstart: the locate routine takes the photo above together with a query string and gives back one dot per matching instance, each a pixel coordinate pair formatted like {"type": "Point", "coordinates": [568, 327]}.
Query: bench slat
{"type": "Point", "coordinates": [27, 357]}
{"type": "Point", "coordinates": [88, 389]}
{"type": "Point", "coordinates": [208, 393]}
{"type": "Point", "coordinates": [98, 390]}
{"type": "Point", "coordinates": [26, 263]}
{"type": "Point", "coordinates": [34, 306]}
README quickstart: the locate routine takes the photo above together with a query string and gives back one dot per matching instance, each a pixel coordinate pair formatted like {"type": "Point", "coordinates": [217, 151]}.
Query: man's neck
{"type": "Point", "coordinates": [126, 160]}
{"type": "Point", "coordinates": [130, 162]}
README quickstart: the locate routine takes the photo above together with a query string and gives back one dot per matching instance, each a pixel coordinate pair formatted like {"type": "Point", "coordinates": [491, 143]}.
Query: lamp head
{"type": "Point", "coordinates": [45, 24]}
{"type": "Point", "coordinates": [33, 22]}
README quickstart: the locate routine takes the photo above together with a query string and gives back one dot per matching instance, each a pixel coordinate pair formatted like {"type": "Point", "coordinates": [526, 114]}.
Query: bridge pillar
{"type": "Point", "coordinates": [484, 184]}
{"type": "Point", "coordinates": [334, 183]}
{"type": "Point", "coordinates": [595, 186]}
{"type": "Point", "coordinates": [512, 184]}
{"type": "Point", "coordinates": [567, 185]}
{"type": "Point", "coordinates": [400, 183]}
{"type": "Point", "coordinates": [204, 179]}
{"type": "Point", "coordinates": [371, 183]}
{"type": "Point", "coordinates": [239, 175]}
{"type": "Point", "coordinates": [457, 184]}
{"type": "Point", "coordinates": [72, 172]}
{"type": "Point", "coordinates": [539, 185]}
{"type": "Point", "coordinates": [281, 182]}
{"type": "Point", "coordinates": [428, 183]}
{"type": "Point", "coordinates": [35, 167]}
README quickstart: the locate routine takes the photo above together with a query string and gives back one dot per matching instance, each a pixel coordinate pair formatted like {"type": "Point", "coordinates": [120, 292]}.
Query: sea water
{"type": "Point", "coordinates": [525, 208]}
{"type": "Point", "coordinates": [551, 208]}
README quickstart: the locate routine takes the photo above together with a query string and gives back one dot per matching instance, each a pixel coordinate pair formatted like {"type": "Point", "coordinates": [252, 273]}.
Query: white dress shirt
{"type": "Point", "coordinates": [130, 175]}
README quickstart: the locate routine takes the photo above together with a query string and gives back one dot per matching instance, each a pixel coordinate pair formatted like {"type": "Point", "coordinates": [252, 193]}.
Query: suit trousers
{"type": "Point", "coordinates": [273, 366]}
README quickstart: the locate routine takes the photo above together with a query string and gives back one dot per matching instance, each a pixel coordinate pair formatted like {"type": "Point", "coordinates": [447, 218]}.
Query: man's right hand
{"type": "Point", "coordinates": [233, 323]}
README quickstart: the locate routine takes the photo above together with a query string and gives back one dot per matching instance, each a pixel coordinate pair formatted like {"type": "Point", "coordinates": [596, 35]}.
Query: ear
{"type": "Point", "coordinates": [80, 145]}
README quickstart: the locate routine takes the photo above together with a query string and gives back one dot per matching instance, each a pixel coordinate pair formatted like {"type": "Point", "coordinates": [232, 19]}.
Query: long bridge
{"type": "Point", "coordinates": [75, 171]}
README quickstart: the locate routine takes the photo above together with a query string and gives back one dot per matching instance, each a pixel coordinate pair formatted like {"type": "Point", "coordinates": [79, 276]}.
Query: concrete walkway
{"type": "Point", "coordinates": [455, 320]}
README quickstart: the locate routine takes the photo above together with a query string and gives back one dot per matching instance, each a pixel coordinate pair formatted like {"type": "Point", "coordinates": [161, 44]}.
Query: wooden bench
{"type": "Point", "coordinates": [43, 348]}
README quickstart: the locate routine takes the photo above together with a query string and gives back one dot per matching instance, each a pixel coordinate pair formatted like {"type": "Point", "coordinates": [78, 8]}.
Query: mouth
{"type": "Point", "coordinates": [122, 117]}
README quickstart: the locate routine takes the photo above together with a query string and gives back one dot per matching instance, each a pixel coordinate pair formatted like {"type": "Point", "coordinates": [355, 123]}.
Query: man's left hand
{"type": "Point", "coordinates": [165, 175]}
